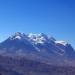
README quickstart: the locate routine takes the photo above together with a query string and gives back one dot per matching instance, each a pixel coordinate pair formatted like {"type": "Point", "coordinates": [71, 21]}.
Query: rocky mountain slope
{"type": "Point", "coordinates": [23, 66]}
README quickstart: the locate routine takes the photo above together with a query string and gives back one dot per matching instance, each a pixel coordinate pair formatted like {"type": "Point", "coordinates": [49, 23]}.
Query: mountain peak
{"type": "Point", "coordinates": [38, 38]}
{"type": "Point", "coordinates": [18, 33]}
{"type": "Point", "coordinates": [18, 36]}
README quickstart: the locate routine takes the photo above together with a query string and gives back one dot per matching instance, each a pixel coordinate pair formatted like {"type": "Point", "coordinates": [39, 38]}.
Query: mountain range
{"type": "Point", "coordinates": [38, 48]}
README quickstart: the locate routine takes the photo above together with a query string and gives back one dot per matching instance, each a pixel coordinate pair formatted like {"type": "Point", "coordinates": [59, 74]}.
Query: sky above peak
{"type": "Point", "coordinates": [54, 17]}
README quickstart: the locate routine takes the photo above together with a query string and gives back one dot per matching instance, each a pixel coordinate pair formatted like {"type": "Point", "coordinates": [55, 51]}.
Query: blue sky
{"type": "Point", "coordinates": [54, 17]}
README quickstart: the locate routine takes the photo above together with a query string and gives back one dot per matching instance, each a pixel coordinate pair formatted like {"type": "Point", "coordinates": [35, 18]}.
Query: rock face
{"type": "Point", "coordinates": [35, 50]}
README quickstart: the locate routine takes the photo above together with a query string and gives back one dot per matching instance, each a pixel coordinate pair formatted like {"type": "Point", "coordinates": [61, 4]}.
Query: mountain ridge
{"type": "Point", "coordinates": [38, 47]}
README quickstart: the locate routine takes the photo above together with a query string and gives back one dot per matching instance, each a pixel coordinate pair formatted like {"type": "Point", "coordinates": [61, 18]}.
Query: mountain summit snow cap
{"type": "Point", "coordinates": [40, 38]}
{"type": "Point", "coordinates": [37, 38]}
{"type": "Point", "coordinates": [61, 42]}
{"type": "Point", "coordinates": [18, 33]}
{"type": "Point", "coordinates": [18, 36]}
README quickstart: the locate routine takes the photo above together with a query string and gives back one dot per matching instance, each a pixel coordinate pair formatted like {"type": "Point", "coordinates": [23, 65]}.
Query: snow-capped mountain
{"type": "Point", "coordinates": [37, 46]}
